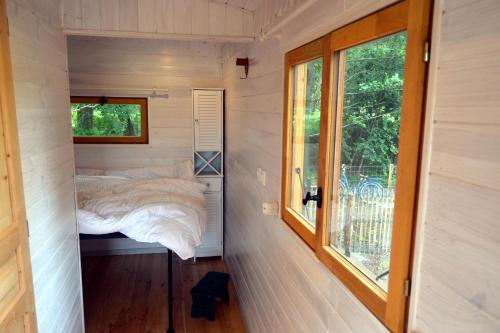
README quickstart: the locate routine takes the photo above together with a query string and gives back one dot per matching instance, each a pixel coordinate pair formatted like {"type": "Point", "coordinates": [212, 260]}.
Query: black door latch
{"type": "Point", "coordinates": [318, 197]}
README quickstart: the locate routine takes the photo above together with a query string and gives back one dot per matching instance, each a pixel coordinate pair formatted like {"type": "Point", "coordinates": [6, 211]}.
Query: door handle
{"type": "Point", "coordinates": [318, 197]}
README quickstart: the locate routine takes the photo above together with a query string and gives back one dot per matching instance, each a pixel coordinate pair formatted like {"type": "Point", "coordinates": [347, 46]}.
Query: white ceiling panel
{"type": "Point", "coordinates": [250, 5]}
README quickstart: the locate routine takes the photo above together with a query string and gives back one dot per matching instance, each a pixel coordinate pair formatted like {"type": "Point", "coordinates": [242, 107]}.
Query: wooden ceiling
{"type": "Point", "coordinates": [250, 5]}
{"type": "Point", "coordinates": [215, 20]}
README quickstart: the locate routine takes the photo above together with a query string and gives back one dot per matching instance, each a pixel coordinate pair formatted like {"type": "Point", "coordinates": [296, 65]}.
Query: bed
{"type": "Point", "coordinates": [153, 204]}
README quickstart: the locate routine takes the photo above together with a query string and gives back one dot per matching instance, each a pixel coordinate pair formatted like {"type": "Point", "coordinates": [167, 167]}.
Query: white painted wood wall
{"type": "Point", "coordinates": [457, 265]}
{"type": "Point", "coordinates": [154, 18]}
{"type": "Point", "coordinates": [127, 64]}
{"type": "Point", "coordinates": [282, 287]}
{"type": "Point", "coordinates": [42, 99]}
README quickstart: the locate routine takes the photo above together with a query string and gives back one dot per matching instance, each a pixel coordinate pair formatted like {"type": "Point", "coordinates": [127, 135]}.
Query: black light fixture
{"type": "Point", "coordinates": [243, 62]}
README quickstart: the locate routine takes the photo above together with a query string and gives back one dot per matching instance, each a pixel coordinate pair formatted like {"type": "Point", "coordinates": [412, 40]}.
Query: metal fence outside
{"type": "Point", "coordinates": [363, 223]}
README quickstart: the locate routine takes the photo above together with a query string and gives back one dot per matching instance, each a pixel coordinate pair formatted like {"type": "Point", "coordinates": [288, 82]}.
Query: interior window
{"type": "Point", "coordinates": [109, 120]}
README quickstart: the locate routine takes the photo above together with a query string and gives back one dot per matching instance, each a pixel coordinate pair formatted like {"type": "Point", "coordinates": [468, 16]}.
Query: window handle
{"type": "Point", "coordinates": [318, 197]}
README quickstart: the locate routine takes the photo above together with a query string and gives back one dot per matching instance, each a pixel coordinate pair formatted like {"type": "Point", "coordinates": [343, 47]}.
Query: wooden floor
{"type": "Point", "coordinates": [128, 294]}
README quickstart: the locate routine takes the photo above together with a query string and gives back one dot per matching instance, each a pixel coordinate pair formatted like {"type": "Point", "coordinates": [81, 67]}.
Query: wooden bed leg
{"type": "Point", "coordinates": [170, 295]}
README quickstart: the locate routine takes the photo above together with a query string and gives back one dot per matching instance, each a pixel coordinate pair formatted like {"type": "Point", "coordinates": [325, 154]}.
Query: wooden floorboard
{"type": "Point", "coordinates": [128, 294]}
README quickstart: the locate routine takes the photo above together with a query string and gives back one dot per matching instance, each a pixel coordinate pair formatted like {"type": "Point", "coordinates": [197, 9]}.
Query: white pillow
{"type": "Point", "coordinates": [144, 173]}
{"type": "Point", "coordinates": [89, 172]}
{"type": "Point", "coordinates": [182, 169]}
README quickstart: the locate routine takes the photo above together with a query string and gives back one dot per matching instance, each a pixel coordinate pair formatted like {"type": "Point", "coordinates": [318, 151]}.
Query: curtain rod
{"type": "Point", "coordinates": [153, 92]}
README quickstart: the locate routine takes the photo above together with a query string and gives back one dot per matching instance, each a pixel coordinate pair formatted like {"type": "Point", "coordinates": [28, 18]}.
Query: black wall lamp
{"type": "Point", "coordinates": [243, 62]}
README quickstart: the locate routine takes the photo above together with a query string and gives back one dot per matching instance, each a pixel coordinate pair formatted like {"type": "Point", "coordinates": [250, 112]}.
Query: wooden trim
{"type": "Point", "coordinates": [362, 287]}
{"type": "Point", "coordinates": [334, 164]}
{"type": "Point", "coordinates": [328, 94]}
{"type": "Point", "coordinates": [307, 52]}
{"type": "Point", "coordinates": [382, 23]}
{"type": "Point", "coordinates": [297, 158]}
{"type": "Point", "coordinates": [143, 139]}
{"type": "Point", "coordinates": [23, 305]}
{"type": "Point", "coordinates": [297, 56]}
{"type": "Point", "coordinates": [301, 227]}
{"type": "Point", "coordinates": [418, 33]}
{"type": "Point", "coordinates": [161, 36]}
{"type": "Point", "coordinates": [285, 183]}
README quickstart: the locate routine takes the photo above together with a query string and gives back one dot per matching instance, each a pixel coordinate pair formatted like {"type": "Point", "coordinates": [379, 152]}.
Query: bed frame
{"type": "Point", "coordinates": [170, 299]}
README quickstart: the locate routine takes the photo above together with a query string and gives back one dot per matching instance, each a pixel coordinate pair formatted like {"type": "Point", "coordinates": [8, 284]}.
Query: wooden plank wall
{"type": "Point", "coordinates": [458, 254]}
{"type": "Point", "coordinates": [127, 64]}
{"type": "Point", "coordinates": [181, 17]}
{"type": "Point", "coordinates": [42, 99]}
{"type": "Point", "coordinates": [282, 287]}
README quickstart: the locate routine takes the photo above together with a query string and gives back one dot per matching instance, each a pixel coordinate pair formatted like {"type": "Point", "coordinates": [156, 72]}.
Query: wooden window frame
{"type": "Point", "coordinates": [143, 139]}
{"type": "Point", "coordinates": [303, 54]}
{"type": "Point", "coordinates": [412, 16]}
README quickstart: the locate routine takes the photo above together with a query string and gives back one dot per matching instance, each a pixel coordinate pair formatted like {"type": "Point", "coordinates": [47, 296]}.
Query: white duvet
{"type": "Point", "coordinates": [170, 211]}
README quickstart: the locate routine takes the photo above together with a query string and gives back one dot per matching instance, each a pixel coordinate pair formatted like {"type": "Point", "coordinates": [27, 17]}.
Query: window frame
{"type": "Point", "coordinates": [412, 16]}
{"type": "Point", "coordinates": [310, 51]}
{"type": "Point", "coordinates": [142, 139]}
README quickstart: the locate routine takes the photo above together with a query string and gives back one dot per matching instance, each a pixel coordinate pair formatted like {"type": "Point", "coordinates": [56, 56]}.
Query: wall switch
{"type": "Point", "coordinates": [263, 178]}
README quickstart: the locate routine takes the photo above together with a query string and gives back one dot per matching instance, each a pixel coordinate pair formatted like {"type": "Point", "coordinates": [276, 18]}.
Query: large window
{"type": "Point", "coordinates": [367, 138]}
{"type": "Point", "coordinates": [109, 120]}
{"type": "Point", "coordinates": [353, 114]}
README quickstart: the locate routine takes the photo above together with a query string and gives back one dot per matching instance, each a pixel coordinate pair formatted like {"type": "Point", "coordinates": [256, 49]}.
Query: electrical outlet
{"type": "Point", "coordinates": [270, 208]}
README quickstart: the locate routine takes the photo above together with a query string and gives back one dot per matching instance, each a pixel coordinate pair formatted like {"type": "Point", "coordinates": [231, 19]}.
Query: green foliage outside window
{"type": "Point", "coordinates": [373, 87]}
{"type": "Point", "coordinates": [312, 121]}
{"type": "Point", "coordinates": [108, 120]}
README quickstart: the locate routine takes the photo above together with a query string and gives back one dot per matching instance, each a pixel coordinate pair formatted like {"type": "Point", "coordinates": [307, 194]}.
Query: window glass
{"type": "Point", "coordinates": [306, 110]}
{"type": "Point", "coordinates": [106, 120]}
{"type": "Point", "coordinates": [369, 102]}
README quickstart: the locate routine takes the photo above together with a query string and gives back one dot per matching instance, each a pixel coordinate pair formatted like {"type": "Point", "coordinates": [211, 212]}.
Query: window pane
{"type": "Point", "coordinates": [363, 205]}
{"type": "Point", "coordinates": [108, 120]}
{"type": "Point", "coordinates": [306, 90]}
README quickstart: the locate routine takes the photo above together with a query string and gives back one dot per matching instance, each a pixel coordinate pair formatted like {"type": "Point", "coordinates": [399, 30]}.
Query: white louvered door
{"type": "Point", "coordinates": [207, 120]}
{"type": "Point", "coordinates": [208, 164]}
{"type": "Point", "coordinates": [211, 243]}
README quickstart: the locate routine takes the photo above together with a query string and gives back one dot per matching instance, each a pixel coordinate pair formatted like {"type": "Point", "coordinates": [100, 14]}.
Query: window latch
{"type": "Point", "coordinates": [318, 197]}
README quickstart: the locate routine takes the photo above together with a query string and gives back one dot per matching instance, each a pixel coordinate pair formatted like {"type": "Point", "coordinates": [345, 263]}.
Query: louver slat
{"type": "Point", "coordinates": [208, 120]}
